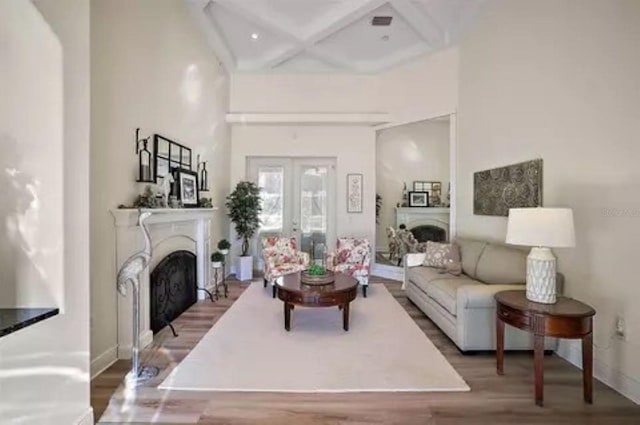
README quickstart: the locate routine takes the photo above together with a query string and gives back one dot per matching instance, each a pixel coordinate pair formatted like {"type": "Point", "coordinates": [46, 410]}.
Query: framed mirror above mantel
{"type": "Point", "coordinates": [169, 155]}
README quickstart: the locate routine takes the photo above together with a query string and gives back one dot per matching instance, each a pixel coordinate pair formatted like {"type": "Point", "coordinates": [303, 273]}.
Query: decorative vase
{"type": "Point", "coordinates": [224, 251]}
{"type": "Point", "coordinates": [216, 264]}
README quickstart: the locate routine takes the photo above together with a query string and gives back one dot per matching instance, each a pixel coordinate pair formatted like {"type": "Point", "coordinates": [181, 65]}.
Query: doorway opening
{"type": "Point", "coordinates": [298, 200]}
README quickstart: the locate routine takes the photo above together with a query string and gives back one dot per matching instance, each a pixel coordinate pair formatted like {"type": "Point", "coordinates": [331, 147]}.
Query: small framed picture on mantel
{"type": "Point", "coordinates": [418, 199]}
{"type": "Point", "coordinates": [186, 182]}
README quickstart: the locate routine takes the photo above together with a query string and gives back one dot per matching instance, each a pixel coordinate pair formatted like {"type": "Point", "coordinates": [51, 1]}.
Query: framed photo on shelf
{"type": "Point", "coordinates": [354, 193]}
{"type": "Point", "coordinates": [186, 182]}
{"type": "Point", "coordinates": [418, 199]}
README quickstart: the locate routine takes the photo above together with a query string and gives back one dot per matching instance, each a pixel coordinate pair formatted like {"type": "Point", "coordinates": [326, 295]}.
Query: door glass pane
{"type": "Point", "coordinates": [271, 181]}
{"type": "Point", "coordinates": [313, 210]}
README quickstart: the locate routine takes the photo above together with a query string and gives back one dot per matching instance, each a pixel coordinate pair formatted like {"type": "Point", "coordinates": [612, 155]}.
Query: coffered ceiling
{"type": "Point", "coordinates": [329, 35]}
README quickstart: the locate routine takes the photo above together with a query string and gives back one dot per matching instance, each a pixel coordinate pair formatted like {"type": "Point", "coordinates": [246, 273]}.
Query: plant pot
{"type": "Point", "coordinates": [216, 264]}
{"type": "Point", "coordinates": [224, 251]}
{"type": "Point", "coordinates": [244, 268]}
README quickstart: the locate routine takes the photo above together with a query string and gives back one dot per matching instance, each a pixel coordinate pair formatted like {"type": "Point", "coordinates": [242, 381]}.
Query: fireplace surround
{"type": "Point", "coordinates": [171, 230]}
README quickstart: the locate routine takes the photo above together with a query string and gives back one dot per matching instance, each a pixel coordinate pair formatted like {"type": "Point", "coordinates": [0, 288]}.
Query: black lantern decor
{"type": "Point", "coordinates": [204, 174]}
{"type": "Point", "coordinates": [144, 159]}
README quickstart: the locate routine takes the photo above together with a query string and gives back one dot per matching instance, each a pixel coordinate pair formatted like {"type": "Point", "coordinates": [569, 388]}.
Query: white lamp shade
{"type": "Point", "coordinates": [543, 227]}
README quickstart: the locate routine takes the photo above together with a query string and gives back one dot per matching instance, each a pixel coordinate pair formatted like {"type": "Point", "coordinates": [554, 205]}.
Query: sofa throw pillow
{"type": "Point", "coordinates": [443, 256]}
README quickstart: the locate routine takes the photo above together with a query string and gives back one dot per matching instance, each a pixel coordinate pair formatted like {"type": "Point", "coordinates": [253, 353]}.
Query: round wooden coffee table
{"type": "Point", "coordinates": [340, 293]}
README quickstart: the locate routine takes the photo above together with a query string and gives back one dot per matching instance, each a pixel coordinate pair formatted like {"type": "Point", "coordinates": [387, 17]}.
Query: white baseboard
{"type": "Point", "coordinates": [571, 351]}
{"type": "Point", "coordinates": [389, 272]}
{"type": "Point", "coordinates": [86, 418]}
{"type": "Point", "coordinates": [103, 361]}
{"type": "Point", "coordinates": [124, 351]}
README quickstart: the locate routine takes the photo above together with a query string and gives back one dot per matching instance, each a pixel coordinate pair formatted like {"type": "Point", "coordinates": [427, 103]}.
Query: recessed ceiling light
{"type": "Point", "coordinates": [384, 38]}
{"type": "Point", "coordinates": [255, 36]}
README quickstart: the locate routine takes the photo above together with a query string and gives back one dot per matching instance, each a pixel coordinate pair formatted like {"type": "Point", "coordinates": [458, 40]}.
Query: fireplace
{"type": "Point", "coordinates": [171, 230]}
{"type": "Point", "coordinates": [428, 232]}
{"type": "Point", "coordinates": [173, 288]}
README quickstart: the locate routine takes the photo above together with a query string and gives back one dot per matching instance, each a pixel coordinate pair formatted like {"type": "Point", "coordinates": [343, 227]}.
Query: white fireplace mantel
{"type": "Point", "coordinates": [128, 217]}
{"type": "Point", "coordinates": [171, 229]}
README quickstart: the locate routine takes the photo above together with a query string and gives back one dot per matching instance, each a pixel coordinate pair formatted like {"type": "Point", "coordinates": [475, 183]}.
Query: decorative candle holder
{"type": "Point", "coordinates": [144, 159]}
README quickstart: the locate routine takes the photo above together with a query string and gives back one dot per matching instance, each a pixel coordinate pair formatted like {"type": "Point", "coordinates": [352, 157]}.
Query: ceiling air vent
{"type": "Point", "coordinates": [381, 21]}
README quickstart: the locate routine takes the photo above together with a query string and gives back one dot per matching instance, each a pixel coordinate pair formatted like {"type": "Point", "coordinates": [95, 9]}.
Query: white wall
{"type": "Point", "coordinates": [425, 88]}
{"type": "Point", "coordinates": [558, 79]}
{"type": "Point", "coordinates": [305, 93]}
{"type": "Point", "coordinates": [44, 369]}
{"type": "Point", "coordinates": [409, 152]}
{"type": "Point", "coordinates": [352, 146]}
{"type": "Point", "coordinates": [151, 68]}
{"type": "Point", "coordinates": [31, 242]}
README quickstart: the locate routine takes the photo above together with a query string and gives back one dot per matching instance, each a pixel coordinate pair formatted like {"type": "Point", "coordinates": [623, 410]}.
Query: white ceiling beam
{"type": "Point", "coordinates": [420, 21]}
{"type": "Point", "coordinates": [201, 12]}
{"type": "Point", "coordinates": [351, 12]}
{"type": "Point", "coordinates": [270, 24]}
{"type": "Point", "coordinates": [265, 21]}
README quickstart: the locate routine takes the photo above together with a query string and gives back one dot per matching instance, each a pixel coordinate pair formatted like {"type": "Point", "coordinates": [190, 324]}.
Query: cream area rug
{"type": "Point", "coordinates": [248, 349]}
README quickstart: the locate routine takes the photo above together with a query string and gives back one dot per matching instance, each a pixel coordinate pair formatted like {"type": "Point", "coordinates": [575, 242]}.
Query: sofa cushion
{"type": "Point", "coordinates": [444, 290]}
{"type": "Point", "coordinates": [421, 275]}
{"type": "Point", "coordinates": [440, 254]}
{"type": "Point", "coordinates": [500, 264]}
{"type": "Point", "coordinates": [470, 251]}
{"type": "Point", "coordinates": [482, 296]}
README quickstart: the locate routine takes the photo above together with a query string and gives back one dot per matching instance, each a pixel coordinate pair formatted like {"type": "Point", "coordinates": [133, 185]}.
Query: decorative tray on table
{"type": "Point", "coordinates": [317, 275]}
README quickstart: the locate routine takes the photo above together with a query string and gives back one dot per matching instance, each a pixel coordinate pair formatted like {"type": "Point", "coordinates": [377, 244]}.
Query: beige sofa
{"type": "Point", "coordinates": [463, 306]}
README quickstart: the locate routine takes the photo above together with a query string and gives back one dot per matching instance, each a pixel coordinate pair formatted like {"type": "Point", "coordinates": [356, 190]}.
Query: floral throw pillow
{"type": "Point", "coordinates": [443, 256]}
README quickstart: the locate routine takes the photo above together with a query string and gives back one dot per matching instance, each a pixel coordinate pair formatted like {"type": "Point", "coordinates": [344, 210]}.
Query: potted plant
{"type": "Point", "coordinates": [217, 258]}
{"type": "Point", "coordinates": [244, 205]}
{"type": "Point", "coordinates": [224, 246]}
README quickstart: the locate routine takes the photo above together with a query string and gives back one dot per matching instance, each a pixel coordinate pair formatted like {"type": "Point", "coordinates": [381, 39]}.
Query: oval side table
{"type": "Point", "coordinates": [567, 318]}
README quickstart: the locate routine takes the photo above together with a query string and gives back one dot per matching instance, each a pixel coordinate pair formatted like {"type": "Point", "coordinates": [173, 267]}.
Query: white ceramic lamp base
{"type": "Point", "coordinates": [541, 276]}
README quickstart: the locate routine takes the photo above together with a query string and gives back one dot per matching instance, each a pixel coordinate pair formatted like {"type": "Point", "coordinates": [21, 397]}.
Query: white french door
{"type": "Point", "coordinates": [298, 200]}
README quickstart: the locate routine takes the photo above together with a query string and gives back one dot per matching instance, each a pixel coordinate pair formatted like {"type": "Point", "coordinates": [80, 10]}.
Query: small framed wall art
{"type": "Point", "coordinates": [418, 199]}
{"type": "Point", "coordinates": [354, 193]}
{"type": "Point", "coordinates": [186, 182]}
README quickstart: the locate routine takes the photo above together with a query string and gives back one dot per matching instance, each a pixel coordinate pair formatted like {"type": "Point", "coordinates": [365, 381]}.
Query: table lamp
{"type": "Point", "coordinates": [542, 229]}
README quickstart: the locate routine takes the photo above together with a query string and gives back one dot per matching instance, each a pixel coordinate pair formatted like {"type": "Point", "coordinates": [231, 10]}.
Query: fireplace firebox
{"type": "Point", "coordinates": [428, 232]}
{"type": "Point", "coordinates": [173, 288]}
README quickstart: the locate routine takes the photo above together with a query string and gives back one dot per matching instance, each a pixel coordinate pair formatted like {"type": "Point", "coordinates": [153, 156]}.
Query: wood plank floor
{"type": "Point", "coordinates": [492, 400]}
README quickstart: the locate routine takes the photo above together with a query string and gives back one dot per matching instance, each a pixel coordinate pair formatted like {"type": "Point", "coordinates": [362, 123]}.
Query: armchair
{"type": "Point", "coordinates": [352, 257]}
{"type": "Point", "coordinates": [281, 257]}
